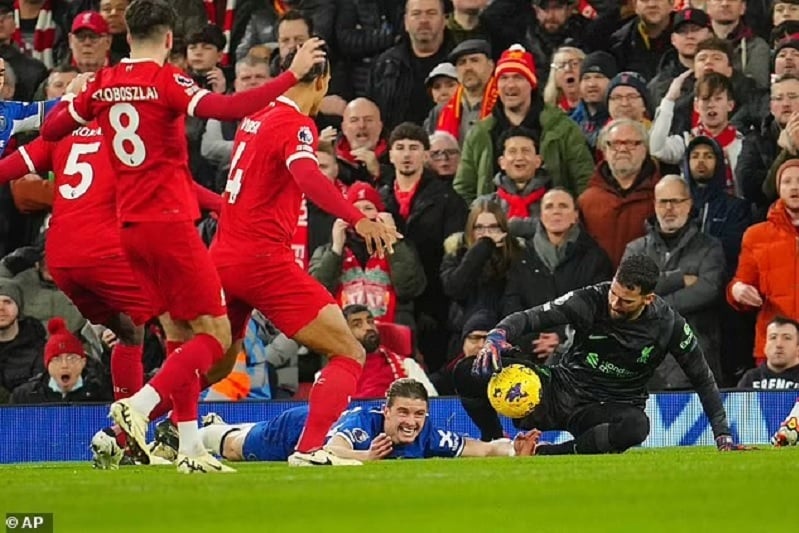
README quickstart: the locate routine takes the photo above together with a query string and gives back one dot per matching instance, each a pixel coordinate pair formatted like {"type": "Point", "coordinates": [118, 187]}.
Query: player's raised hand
{"type": "Point", "coordinates": [381, 447]}
{"type": "Point", "coordinates": [309, 54]}
{"type": "Point", "coordinates": [489, 360]}
{"type": "Point", "coordinates": [379, 236]}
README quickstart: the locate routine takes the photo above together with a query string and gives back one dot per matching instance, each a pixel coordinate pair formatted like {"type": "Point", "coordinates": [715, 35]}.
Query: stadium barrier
{"type": "Point", "coordinates": [63, 432]}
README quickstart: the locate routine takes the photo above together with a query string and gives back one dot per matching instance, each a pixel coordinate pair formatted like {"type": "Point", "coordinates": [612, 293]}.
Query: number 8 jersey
{"type": "Point", "coordinates": [141, 108]}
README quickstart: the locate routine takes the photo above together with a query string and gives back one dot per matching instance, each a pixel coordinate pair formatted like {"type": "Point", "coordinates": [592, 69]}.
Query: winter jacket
{"type": "Point", "coordinates": [38, 391]}
{"type": "Point", "coordinates": [693, 254]}
{"type": "Point", "coordinates": [769, 262]}
{"type": "Point", "coordinates": [614, 217]}
{"type": "Point", "coordinates": [23, 357]}
{"type": "Point", "coordinates": [634, 52]}
{"type": "Point", "coordinates": [30, 72]}
{"type": "Point", "coordinates": [718, 213]}
{"type": "Point", "coordinates": [668, 69]}
{"type": "Point", "coordinates": [759, 151]}
{"type": "Point", "coordinates": [751, 55]}
{"type": "Point", "coordinates": [521, 227]}
{"type": "Point", "coordinates": [562, 148]}
{"type": "Point", "coordinates": [590, 124]}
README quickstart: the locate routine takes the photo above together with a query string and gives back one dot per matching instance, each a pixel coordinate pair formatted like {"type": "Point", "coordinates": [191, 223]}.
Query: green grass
{"type": "Point", "coordinates": [676, 489]}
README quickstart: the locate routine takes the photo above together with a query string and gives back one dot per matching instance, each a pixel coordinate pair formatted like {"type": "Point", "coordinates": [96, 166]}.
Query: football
{"type": "Point", "coordinates": [788, 434]}
{"type": "Point", "coordinates": [514, 391]}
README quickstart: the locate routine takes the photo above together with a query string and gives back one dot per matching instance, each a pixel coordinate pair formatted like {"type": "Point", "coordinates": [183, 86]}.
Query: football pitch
{"type": "Point", "coordinates": [671, 489]}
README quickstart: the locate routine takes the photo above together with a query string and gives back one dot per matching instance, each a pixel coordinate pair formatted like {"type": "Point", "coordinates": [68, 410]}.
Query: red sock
{"type": "Point", "coordinates": [185, 401]}
{"type": "Point", "coordinates": [166, 403]}
{"type": "Point", "coordinates": [329, 397]}
{"type": "Point", "coordinates": [171, 346]}
{"type": "Point", "coordinates": [127, 371]}
{"type": "Point", "coordinates": [194, 358]}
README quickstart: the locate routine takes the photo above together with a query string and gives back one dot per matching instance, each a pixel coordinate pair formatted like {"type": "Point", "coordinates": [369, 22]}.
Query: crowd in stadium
{"type": "Point", "coordinates": [522, 148]}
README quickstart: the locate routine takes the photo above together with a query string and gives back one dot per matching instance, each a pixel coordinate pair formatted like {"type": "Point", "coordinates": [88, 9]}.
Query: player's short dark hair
{"type": "Point", "coordinates": [408, 131]}
{"type": "Point", "coordinates": [319, 69]}
{"type": "Point", "coordinates": [147, 19]}
{"type": "Point", "coordinates": [178, 49]}
{"type": "Point", "coordinates": [784, 321]}
{"type": "Point", "coordinates": [717, 45]}
{"type": "Point", "coordinates": [712, 84]}
{"type": "Point", "coordinates": [638, 271]}
{"type": "Point", "coordinates": [354, 309]}
{"type": "Point", "coordinates": [294, 14]}
{"type": "Point", "coordinates": [517, 131]}
{"type": "Point", "coordinates": [406, 388]}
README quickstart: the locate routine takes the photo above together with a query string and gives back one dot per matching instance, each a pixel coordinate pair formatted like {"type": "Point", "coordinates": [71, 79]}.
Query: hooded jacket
{"type": "Point", "coordinates": [718, 213]}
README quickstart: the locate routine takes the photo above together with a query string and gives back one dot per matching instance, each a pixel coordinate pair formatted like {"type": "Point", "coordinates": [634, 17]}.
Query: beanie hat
{"type": "Point", "coordinates": [634, 80]}
{"type": "Point", "coordinates": [790, 40]}
{"type": "Point", "coordinates": [482, 320]}
{"type": "Point", "coordinates": [783, 167]}
{"type": "Point", "coordinates": [10, 289]}
{"type": "Point", "coordinates": [599, 63]}
{"type": "Point", "coordinates": [361, 190]}
{"type": "Point", "coordinates": [61, 341]}
{"type": "Point", "coordinates": [517, 59]}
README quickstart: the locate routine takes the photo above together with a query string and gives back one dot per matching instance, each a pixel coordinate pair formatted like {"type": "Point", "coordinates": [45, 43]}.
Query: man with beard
{"type": "Point", "coordinates": [21, 341]}
{"type": "Point", "coordinates": [597, 392]}
{"type": "Point", "coordinates": [640, 44]}
{"type": "Point", "coordinates": [400, 429]}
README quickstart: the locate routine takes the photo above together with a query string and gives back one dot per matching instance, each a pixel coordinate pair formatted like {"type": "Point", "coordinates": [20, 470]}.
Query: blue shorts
{"type": "Point", "coordinates": [275, 440]}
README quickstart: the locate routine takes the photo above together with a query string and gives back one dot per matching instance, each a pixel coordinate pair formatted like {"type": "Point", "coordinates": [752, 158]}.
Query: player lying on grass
{"type": "Point", "coordinates": [597, 392]}
{"type": "Point", "coordinates": [399, 430]}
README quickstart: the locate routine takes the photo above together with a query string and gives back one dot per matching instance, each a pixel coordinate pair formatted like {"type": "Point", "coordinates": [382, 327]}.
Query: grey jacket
{"type": "Point", "coordinates": [696, 254]}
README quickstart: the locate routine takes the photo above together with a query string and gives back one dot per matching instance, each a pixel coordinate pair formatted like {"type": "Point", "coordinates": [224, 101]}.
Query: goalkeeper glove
{"type": "Point", "coordinates": [489, 360]}
{"type": "Point", "coordinates": [725, 444]}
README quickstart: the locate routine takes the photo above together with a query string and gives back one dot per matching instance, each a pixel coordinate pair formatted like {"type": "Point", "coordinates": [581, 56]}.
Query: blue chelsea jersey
{"type": "Point", "coordinates": [16, 117]}
{"type": "Point", "coordinates": [359, 427]}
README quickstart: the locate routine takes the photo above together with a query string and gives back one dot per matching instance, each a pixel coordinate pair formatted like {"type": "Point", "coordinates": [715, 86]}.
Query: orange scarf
{"type": "Point", "coordinates": [450, 118]}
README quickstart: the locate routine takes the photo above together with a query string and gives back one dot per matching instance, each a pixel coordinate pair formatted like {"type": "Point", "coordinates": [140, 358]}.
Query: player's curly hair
{"type": "Point", "coordinates": [638, 271]}
{"type": "Point", "coordinates": [147, 19]}
{"type": "Point", "coordinates": [319, 70]}
{"type": "Point", "coordinates": [406, 388]}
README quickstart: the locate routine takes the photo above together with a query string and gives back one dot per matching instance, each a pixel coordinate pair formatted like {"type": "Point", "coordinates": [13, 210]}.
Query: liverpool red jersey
{"type": "Point", "coordinates": [261, 202]}
{"type": "Point", "coordinates": [141, 107]}
{"type": "Point", "coordinates": [83, 228]}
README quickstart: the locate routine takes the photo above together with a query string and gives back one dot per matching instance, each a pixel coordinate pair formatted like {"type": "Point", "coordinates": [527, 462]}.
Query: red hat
{"type": "Point", "coordinates": [92, 21]}
{"type": "Point", "coordinates": [61, 341]}
{"type": "Point", "coordinates": [517, 59]}
{"type": "Point", "coordinates": [361, 190]}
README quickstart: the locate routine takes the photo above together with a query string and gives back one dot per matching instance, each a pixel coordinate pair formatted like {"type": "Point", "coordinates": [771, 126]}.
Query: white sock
{"type": "Point", "coordinates": [213, 436]}
{"type": "Point", "coordinates": [190, 442]}
{"type": "Point", "coordinates": [795, 411]}
{"type": "Point", "coordinates": [145, 400]}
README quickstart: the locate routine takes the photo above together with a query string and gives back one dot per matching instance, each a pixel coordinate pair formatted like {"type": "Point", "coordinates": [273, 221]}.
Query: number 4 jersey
{"type": "Point", "coordinates": [141, 108]}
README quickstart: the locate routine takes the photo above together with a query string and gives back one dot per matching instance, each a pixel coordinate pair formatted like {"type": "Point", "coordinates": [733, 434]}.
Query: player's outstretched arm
{"type": "Point", "coordinates": [380, 448]}
{"type": "Point", "coordinates": [64, 117]}
{"type": "Point", "coordinates": [238, 105]}
{"type": "Point", "coordinates": [33, 157]}
{"type": "Point", "coordinates": [12, 167]}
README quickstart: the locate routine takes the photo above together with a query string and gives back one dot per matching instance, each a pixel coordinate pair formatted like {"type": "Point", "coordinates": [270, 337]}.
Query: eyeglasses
{"type": "Point", "coordinates": [624, 144]}
{"type": "Point", "coordinates": [625, 97]}
{"type": "Point", "coordinates": [449, 153]}
{"type": "Point", "coordinates": [487, 227]}
{"type": "Point", "coordinates": [571, 64]}
{"type": "Point", "coordinates": [67, 358]}
{"type": "Point", "coordinates": [85, 36]}
{"type": "Point", "coordinates": [671, 202]}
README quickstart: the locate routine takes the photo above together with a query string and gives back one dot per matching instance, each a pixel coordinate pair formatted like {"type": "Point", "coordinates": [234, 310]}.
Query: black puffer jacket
{"type": "Point", "coordinates": [23, 357]}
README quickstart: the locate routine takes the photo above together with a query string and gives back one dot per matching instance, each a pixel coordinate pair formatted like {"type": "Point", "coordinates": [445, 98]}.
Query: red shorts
{"type": "Point", "coordinates": [274, 285]}
{"type": "Point", "coordinates": [174, 268]}
{"type": "Point", "coordinates": [102, 291]}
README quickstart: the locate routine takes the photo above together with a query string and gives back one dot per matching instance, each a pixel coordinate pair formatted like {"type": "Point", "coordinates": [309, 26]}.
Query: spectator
{"type": "Point", "coordinates": [382, 365]}
{"type": "Point", "coordinates": [781, 370]}
{"type": "Point", "coordinates": [89, 42]}
{"type": "Point", "coordinates": [30, 72]}
{"type": "Point", "coordinates": [39, 34]}
{"type": "Point", "coordinates": [768, 269]}
{"type": "Point", "coordinates": [692, 274]}
{"type": "Point", "coordinates": [113, 11]}
{"type": "Point", "coordinates": [56, 83]}
{"type": "Point", "coordinates": [365, 29]}
{"type": "Point", "coordinates": [521, 184]}
{"type": "Point", "coordinates": [751, 53]}
{"type": "Point", "coordinates": [628, 98]}
{"type": "Point", "coordinates": [782, 32]}
{"type": "Point", "coordinates": [397, 79]}
{"type": "Point", "coordinates": [361, 151]}
{"type": "Point", "coordinates": [21, 341]}
{"type": "Point", "coordinates": [713, 104]}
{"type": "Point", "coordinates": [783, 11]}
{"type": "Point", "coordinates": [442, 82]}
{"type": "Point", "coordinates": [475, 266]}
{"type": "Point", "coordinates": [472, 339]}
{"type": "Point", "coordinates": [427, 212]}
{"type": "Point", "coordinates": [565, 154]}
{"type": "Point", "coordinates": [464, 21]}
{"type": "Point", "coordinates": [67, 378]}
{"type": "Point", "coordinates": [387, 285]}
{"type": "Point", "coordinates": [621, 189]}
{"type": "Point", "coordinates": [204, 51]}
{"type": "Point", "coordinates": [563, 88]}
{"type": "Point", "coordinates": [474, 99]}
{"type": "Point", "coordinates": [691, 27]}
{"type": "Point", "coordinates": [760, 147]}
{"type": "Point", "coordinates": [293, 29]}
{"type": "Point", "coordinates": [557, 23]}
{"type": "Point", "coordinates": [591, 114]}
{"type": "Point", "coordinates": [445, 155]}
{"type": "Point", "coordinates": [640, 44]}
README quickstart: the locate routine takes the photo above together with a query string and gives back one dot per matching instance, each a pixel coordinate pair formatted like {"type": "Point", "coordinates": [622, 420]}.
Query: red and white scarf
{"type": "Point", "coordinates": [227, 23]}
{"type": "Point", "coordinates": [43, 36]}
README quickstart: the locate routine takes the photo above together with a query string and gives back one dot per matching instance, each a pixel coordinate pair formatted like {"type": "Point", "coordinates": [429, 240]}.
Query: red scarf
{"type": "Point", "coordinates": [380, 370]}
{"type": "Point", "coordinates": [519, 206]}
{"type": "Point", "coordinates": [565, 105]}
{"type": "Point", "coordinates": [405, 199]}
{"type": "Point", "coordinates": [344, 150]}
{"type": "Point", "coordinates": [725, 138]}
{"type": "Point", "coordinates": [450, 118]}
{"type": "Point", "coordinates": [227, 23]}
{"type": "Point", "coordinates": [43, 35]}
{"type": "Point", "coordinates": [585, 9]}
{"type": "Point", "coordinates": [299, 244]}
{"type": "Point", "coordinates": [369, 285]}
